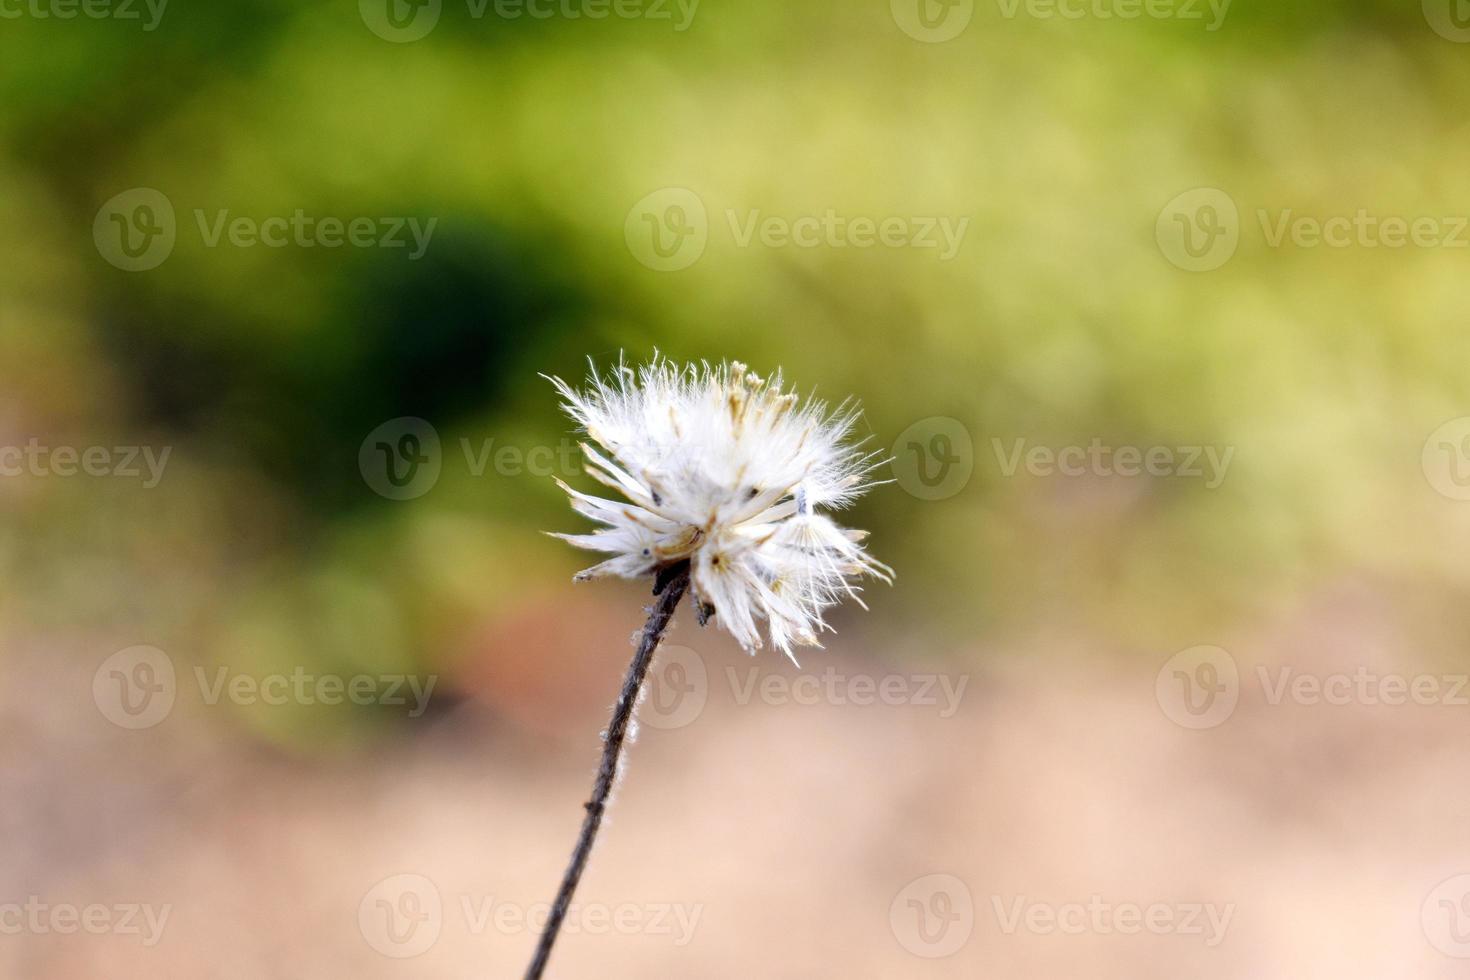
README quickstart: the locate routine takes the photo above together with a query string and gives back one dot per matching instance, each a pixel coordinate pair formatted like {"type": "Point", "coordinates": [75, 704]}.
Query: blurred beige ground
{"type": "Point", "coordinates": [773, 838]}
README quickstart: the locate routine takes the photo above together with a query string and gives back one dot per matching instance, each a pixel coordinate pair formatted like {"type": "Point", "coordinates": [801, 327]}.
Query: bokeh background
{"type": "Point", "coordinates": [1113, 644]}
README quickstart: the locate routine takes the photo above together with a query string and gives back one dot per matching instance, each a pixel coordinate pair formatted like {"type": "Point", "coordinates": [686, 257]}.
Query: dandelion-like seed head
{"type": "Point", "coordinates": [727, 470]}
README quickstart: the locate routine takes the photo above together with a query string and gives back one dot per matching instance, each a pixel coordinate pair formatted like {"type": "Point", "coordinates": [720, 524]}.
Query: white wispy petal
{"type": "Point", "coordinates": [730, 472]}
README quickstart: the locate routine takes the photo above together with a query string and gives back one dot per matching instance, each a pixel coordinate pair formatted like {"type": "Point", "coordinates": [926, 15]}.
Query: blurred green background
{"type": "Point", "coordinates": [529, 140]}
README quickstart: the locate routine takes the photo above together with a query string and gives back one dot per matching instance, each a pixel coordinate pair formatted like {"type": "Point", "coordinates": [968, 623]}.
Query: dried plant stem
{"type": "Point", "coordinates": [670, 588]}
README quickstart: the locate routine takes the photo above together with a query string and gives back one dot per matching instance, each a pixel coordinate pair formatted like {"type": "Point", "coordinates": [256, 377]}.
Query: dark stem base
{"type": "Point", "coordinates": [670, 587]}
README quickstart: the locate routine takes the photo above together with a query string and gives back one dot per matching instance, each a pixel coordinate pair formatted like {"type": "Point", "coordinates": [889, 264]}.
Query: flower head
{"type": "Point", "coordinates": [726, 470]}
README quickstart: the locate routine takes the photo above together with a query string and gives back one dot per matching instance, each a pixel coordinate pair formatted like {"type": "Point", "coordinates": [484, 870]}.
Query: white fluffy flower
{"type": "Point", "coordinates": [728, 471]}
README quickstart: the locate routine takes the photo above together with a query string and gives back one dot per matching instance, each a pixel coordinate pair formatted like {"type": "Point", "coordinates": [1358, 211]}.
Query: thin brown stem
{"type": "Point", "coordinates": [670, 587]}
